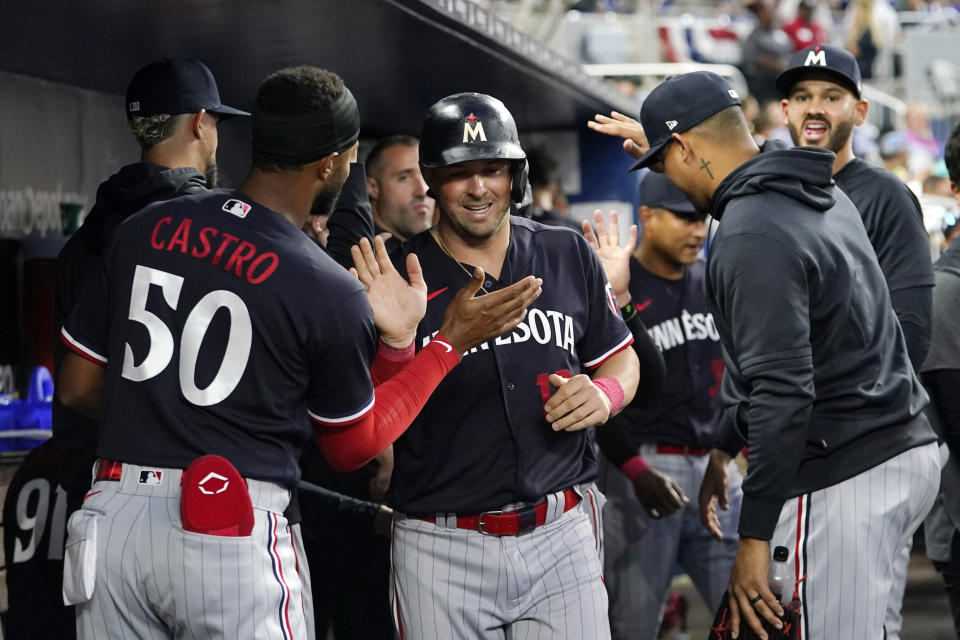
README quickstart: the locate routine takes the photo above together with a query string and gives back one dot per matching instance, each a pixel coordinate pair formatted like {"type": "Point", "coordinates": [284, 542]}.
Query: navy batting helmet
{"type": "Point", "coordinates": [473, 126]}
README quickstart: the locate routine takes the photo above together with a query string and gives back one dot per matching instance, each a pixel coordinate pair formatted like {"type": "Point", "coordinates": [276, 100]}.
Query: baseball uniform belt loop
{"type": "Point", "coordinates": [683, 451]}
{"type": "Point", "coordinates": [107, 470]}
{"type": "Point", "coordinates": [515, 521]}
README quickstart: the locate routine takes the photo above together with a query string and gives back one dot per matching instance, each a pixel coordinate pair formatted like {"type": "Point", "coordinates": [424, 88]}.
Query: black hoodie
{"type": "Point", "coordinates": [123, 194]}
{"type": "Point", "coordinates": [817, 370]}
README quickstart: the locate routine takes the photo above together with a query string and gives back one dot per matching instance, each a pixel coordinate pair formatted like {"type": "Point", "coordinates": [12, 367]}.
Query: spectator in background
{"type": "Point", "coordinates": [769, 124]}
{"type": "Point", "coordinates": [545, 187]}
{"type": "Point", "coordinates": [803, 31]}
{"type": "Point", "coordinates": [923, 150]}
{"type": "Point", "coordinates": [398, 194]}
{"type": "Point", "coordinates": [893, 153]}
{"type": "Point", "coordinates": [766, 51]}
{"type": "Point", "coordinates": [869, 27]}
{"type": "Point", "coordinates": [949, 228]}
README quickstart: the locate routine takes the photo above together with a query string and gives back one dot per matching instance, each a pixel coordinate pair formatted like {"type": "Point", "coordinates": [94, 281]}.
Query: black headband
{"type": "Point", "coordinates": [306, 137]}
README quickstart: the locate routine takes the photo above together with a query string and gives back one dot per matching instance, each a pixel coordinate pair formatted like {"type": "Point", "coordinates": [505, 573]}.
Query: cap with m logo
{"type": "Point", "coordinates": [837, 64]}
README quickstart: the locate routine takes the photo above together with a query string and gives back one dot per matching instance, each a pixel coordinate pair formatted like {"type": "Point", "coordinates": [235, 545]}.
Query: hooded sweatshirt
{"type": "Point", "coordinates": [123, 194]}
{"type": "Point", "coordinates": [817, 372]}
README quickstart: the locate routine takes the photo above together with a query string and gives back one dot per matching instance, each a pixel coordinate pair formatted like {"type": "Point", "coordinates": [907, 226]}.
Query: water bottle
{"type": "Point", "coordinates": [780, 577]}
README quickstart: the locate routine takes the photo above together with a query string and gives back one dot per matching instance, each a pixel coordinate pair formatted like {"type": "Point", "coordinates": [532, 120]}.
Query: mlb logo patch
{"type": "Point", "coordinates": [612, 300]}
{"type": "Point", "coordinates": [134, 106]}
{"type": "Point", "coordinates": [151, 476]}
{"type": "Point", "coordinates": [237, 208]}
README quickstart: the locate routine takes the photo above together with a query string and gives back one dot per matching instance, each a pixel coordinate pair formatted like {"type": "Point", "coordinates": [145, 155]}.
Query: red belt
{"type": "Point", "coordinates": [684, 451]}
{"type": "Point", "coordinates": [108, 470]}
{"type": "Point", "coordinates": [511, 523]}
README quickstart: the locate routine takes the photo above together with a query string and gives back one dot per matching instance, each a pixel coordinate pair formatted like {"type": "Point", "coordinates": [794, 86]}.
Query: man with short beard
{"type": "Point", "coordinates": [822, 105]}
{"type": "Point", "coordinates": [491, 484]}
{"type": "Point", "coordinates": [173, 108]}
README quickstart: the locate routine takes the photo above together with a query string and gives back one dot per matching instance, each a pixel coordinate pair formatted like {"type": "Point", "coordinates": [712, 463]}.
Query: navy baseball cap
{"type": "Point", "coordinates": [835, 62]}
{"type": "Point", "coordinates": [173, 86]}
{"type": "Point", "coordinates": [679, 103]}
{"type": "Point", "coordinates": [656, 190]}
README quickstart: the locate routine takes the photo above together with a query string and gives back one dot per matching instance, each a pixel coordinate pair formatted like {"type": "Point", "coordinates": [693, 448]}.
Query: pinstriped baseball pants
{"type": "Point", "coordinates": [155, 580]}
{"type": "Point", "coordinates": [844, 539]}
{"type": "Point", "coordinates": [454, 584]}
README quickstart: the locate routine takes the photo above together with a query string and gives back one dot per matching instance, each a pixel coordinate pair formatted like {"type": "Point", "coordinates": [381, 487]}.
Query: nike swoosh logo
{"type": "Point", "coordinates": [444, 344]}
{"type": "Point", "coordinates": [640, 307]}
{"type": "Point", "coordinates": [431, 296]}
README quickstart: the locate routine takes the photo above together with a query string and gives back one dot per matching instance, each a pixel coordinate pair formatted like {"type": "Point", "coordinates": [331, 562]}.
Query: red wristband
{"type": "Point", "coordinates": [392, 354]}
{"type": "Point", "coordinates": [614, 392]}
{"type": "Point", "coordinates": [633, 467]}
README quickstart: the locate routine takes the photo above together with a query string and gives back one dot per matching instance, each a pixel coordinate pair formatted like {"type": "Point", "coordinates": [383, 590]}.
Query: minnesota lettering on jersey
{"type": "Point", "coordinates": [687, 327]}
{"type": "Point", "coordinates": [209, 243]}
{"type": "Point", "coordinates": [542, 326]}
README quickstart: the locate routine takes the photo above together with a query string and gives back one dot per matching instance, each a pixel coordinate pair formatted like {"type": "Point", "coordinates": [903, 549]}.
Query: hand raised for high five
{"type": "Point", "coordinates": [470, 321]}
{"type": "Point", "coordinates": [621, 126]}
{"type": "Point", "coordinates": [614, 258]}
{"type": "Point", "coordinates": [398, 305]}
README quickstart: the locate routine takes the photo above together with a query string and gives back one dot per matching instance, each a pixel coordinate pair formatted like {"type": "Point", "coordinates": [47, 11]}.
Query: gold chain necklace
{"type": "Point", "coordinates": [435, 232]}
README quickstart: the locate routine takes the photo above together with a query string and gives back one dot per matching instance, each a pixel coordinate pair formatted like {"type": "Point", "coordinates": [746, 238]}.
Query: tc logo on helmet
{"type": "Point", "coordinates": [472, 132]}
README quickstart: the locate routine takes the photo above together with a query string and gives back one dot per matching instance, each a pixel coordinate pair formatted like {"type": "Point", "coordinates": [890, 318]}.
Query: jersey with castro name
{"type": "Point", "coordinates": [221, 326]}
{"type": "Point", "coordinates": [482, 441]}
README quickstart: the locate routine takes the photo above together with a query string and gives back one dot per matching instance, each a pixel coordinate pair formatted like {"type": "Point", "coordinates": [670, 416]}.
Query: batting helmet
{"type": "Point", "coordinates": [473, 126]}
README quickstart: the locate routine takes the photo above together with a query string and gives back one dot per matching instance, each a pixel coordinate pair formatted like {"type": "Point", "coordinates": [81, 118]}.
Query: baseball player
{"type": "Point", "coordinates": [817, 377]}
{"type": "Point", "coordinates": [649, 523]}
{"type": "Point", "coordinates": [173, 108]}
{"type": "Point", "coordinates": [35, 518]}
{"type": "Point", "coordinates": [821, 106]}
{"type": "Point", "coordinates": [941, 376]}
{"type": "Point", "coordinates": [222, 327]}
{"type": "Point", "coordinates": [492, 537]}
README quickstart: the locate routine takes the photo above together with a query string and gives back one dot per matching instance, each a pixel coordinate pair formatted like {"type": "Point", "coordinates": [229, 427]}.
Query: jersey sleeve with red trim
{"type": "Point", "coordinates": [341, 351]}
{"type": "Point", "coordinates": [606, 331]}
{"type": "Point", "coordinates": [86, 331]}
{"type": "Point", "coordinates": [398, 401]}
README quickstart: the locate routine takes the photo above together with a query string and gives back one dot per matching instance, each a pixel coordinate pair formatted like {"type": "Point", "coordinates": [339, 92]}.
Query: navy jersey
{"type": "Point", "coordinates": [222, 325]}
{"type": "Point", "coordinates": [894, 223]}
{"type": "Point", "coordinates": [481, 441]}
{"type": "Point", "coordinates": [674, 311]}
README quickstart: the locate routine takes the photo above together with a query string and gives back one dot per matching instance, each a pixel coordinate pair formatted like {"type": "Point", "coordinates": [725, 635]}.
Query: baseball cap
{"type": "Point", "coordinates": [833, 61]}
{"type": "Point", "coordinates": [656, 190]}
{"type": "Point", "coordinates": [173, 86]}
{"type": "Point", "coordinates": [679, 103]}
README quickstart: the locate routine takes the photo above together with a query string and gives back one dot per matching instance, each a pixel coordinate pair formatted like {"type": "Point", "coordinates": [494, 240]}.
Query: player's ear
{"type": "Point", "coordinates": [684, 147]}
{"type": "Point", "coordinates": [644, 213]}
{"type": "Point", "coordinates": [861, 112]}
{"type": "Point", "coordinates": [197, 126]}
{"type": "Point", "coordinates": [373, 188]}
{"type": "Point", "coordinates": [955, 190]}
{"type": "Point", "coordinates": [325, 167]}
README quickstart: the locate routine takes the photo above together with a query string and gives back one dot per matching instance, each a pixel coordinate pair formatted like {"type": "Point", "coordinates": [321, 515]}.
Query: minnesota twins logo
{"type": "Point", "coordinates": [817, 56]}
{"type": "Point", "coordinates": [475, 131]}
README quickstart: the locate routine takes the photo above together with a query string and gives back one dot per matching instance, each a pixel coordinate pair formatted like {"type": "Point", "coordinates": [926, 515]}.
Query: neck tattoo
{"type": "Point", "coordinates": [706, 167]}
{"type": "Point", "coordinates": [435, 232]}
